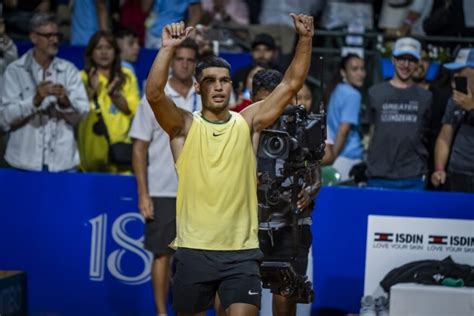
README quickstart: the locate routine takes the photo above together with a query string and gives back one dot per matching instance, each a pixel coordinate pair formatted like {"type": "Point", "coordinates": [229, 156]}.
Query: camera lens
{"type": "Point", "coordinates": [275, 145]}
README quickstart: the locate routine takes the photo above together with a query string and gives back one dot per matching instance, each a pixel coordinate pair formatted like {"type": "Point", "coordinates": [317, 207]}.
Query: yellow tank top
{"type": "Point", "coordinates": [216, 207]}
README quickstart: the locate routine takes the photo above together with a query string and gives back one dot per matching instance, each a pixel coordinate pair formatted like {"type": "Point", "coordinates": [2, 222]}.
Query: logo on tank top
{"type": "Point", "coordinates": [217, 134]}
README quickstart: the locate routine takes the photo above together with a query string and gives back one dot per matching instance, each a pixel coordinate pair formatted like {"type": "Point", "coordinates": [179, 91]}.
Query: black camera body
{"type": "Point", "coordinates": [288, 155]}
{"type": "Point", "coordinates": [301, 137]}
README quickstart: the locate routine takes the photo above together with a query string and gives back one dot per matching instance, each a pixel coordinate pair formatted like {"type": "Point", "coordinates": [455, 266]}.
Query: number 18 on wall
{"type": "Point", "coordinates": [127, 246]}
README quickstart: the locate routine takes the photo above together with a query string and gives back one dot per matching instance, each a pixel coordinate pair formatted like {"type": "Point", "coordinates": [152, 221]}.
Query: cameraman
{"type": "Point", "coordinates": [276, 235]}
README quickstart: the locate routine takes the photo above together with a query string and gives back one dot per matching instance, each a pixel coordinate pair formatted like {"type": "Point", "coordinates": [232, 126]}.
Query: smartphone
{"type": "Point", "coordinates": [460, 84]}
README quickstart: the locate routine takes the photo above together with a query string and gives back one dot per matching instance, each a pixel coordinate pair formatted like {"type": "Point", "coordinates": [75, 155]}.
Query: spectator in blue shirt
{"type": "Point", "coordinates": [88, 17]}
{"type": "Point", "coordinates": [163, 12]}
{"type": "Point", "coordinates": [343, 113]}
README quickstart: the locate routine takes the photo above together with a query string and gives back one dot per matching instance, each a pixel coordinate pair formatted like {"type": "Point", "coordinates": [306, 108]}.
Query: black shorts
{"type": "Point", "coordinates": [161, 231]}
{"type": "Point", "coordinates": [283, 246]}
{"type": "Point", "coordinates": [234, 275]}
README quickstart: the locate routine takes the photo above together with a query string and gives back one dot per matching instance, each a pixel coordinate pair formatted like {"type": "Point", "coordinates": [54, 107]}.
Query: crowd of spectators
{"type": "Point", "coordinates": [55, 117]}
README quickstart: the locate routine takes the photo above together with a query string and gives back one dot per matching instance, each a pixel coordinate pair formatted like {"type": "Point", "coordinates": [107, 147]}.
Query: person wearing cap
{"type": "Point", "coordinates": [264, 53]}
{"type": "Point", "coordinates": [399, 113]}
{"type": "Point", "coordinates": [454, 149]}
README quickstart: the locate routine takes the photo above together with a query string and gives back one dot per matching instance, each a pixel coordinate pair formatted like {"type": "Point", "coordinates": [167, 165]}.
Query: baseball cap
{"type": "Point", "coordinates": [407, 46]}
{"type": "Point", "coordinates": [465, 58]}
{"type": "Point", "coordinates": [264, 39]}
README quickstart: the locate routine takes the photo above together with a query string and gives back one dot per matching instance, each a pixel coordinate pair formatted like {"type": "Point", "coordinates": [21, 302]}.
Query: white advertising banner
{"type": "Point", "coordinates": [394, 240]}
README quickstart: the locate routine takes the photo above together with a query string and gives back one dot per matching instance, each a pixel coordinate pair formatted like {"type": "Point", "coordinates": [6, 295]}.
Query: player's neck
{"type": "Point", "coordinates": [218, 117]}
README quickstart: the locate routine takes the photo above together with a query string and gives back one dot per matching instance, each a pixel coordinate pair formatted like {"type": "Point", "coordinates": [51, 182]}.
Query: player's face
{"type": "Point", "coordinates": [215, 87]}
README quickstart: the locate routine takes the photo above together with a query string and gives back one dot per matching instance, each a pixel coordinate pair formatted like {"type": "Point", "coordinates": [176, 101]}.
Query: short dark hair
{"type": "Point", "coordinates": [208, 62]}
{"type": "Point", "coordinates": [266, 79]}
{"type": "Point", "coordinates": [190, 44]}
{"type": "Point", "coordinates": [123, 32]}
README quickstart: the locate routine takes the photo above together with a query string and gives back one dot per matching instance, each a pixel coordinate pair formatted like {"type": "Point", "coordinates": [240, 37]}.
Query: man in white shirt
{"type": "Point", "coordinates": [43, 99]}
{"type": "Point", "coordinates": [154, 168]}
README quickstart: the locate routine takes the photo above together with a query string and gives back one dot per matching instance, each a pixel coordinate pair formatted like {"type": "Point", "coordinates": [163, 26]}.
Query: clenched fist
{"type": "Point", "coordinates": [303, 24]}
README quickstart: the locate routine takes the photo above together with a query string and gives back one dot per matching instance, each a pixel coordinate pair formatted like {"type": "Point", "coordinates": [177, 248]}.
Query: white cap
{"type": "Point", "coordinates": [465, 58]}
{"type": "Point", "coordinates": [407, 46]}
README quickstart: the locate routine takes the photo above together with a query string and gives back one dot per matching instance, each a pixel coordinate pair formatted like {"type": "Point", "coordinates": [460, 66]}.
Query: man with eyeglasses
{"type": "Point", "coordinates": [399, 114]}
{"type": "Point", "coordinates": [44, 98]}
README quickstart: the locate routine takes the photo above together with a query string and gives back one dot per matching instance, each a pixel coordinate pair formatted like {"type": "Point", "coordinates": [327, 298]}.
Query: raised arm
{"type": "Point", "coordinates": [169, 116]}
{"type": "Point", "coordinates": [264, 113]}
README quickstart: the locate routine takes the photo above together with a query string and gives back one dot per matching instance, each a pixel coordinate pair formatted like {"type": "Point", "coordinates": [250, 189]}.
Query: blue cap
{"type": "Point", "coordinates": [407, 46]}
{"type": "Point", "coordinates": [465, 58]}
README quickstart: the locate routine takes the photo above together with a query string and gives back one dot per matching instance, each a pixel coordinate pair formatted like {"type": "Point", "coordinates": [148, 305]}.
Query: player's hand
{"type": "Point", "coordinates": [303, 24]}
{"type": "Point", "coordinates": [175, 33]}
{"type": "Point", "coordinates": [438, 177]}
{"type": "Point", "coordinates": [145, 204]}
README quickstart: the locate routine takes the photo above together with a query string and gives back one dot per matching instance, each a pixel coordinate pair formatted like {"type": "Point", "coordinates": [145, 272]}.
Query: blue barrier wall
{"type": "Point", "coordinates": [78, 237]}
